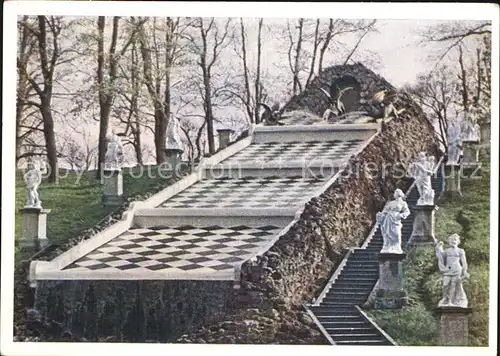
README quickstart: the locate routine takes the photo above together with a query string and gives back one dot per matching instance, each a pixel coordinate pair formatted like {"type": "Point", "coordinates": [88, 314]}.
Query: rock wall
{"type": "Point", "coordinates": [313, 100]}
{"type": "Point", "coordinates": [294, 270]}
{"type": "Point", "coordinates": [131, 311]}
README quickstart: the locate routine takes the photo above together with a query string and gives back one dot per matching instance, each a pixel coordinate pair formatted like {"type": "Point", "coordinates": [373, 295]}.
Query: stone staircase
{"type": "Point", "coordinates": [336, 310]}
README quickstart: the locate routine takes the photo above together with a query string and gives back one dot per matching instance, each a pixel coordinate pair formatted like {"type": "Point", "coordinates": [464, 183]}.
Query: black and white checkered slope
{"type": "Point", "coordinates": [182, 248]}
{"type": "Point", "coordinates": [203, 250]}
{"type": "Point", "coordinates": [283, 152]}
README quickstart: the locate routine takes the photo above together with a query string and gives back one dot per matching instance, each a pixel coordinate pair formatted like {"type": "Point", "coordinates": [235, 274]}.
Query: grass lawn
{"type": "Point", "coordinates": [469, 217]}
{"type": "Point", "coordinates": [75, 201]}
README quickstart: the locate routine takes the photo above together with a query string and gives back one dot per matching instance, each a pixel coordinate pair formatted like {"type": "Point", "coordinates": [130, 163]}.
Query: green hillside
{"type": "Point", "coordinates": [468, 216]}
{"type": "Point", "coordinates": [75, 201]}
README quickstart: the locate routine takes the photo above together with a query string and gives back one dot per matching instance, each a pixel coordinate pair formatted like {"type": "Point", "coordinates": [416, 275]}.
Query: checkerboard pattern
{"type": "Point", "coordinates": [248, 192]}
{"type": "Point", "coordinates": [281, 152]}
{"type": "Point", "coordinates": [182, 248]}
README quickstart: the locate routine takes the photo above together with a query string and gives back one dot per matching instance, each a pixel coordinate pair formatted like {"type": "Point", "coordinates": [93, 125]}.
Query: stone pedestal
{"type": "Point", "coordinates": [173, 158]}
{"type": "Point", "coordinates": [390, 293]}
{"type": "Point", "coordinates": [485, 130]}
{"type": "Point", "coordinates": [453, 326]}
{"type": "Point", "coordinates": [452, 176]}
{"type": "Point", "coordinates": [112, 189]}
{"type": "Point", "coordinates": [470, 160]}
{"type": "Point", "coordinates": [423, 225]}
{"type": "Point", "coordinates": [224, 137]}
{"type": "Point", "coordinates": [33, 229]}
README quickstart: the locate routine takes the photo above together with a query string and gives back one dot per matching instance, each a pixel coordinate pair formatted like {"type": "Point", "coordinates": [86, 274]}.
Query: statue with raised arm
{"type": "Point", "coordinates": [114, 153]}
{"type": "Point", "coordinates": [422, 170]}
{"type": "Point", "coordinates": [32, 179]}
{"type": "Point", "coordinates": [454, 142]}
{"type": "Point", "coordinates": [453, 267]}
{"type": "Point", "coordinates": [389, 221]}
{"type": "Point", "coordinates": [173, 140]}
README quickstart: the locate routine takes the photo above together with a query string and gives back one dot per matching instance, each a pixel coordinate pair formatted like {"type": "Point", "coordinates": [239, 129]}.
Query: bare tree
{"type": "Point", "coordinates": [107, 73]}
{"type": "Point", "coordinates": [436, 93]}
{"type": "Point", "coordinates": [129, 112]}
{"type": "Point", "coordinates": [454, 33]}
{"type": "Point", "coordinates": [46, 32]}
{"type": "Point", "coordinates": [213, 39]}
{"type": "Point", "coordinates": [257, 83]}
{"type": "Point", "coordinates": [24, 126]}
{"type": "Point", "coordinates": [462, 76]}
{"type": "Point", "coordinates": [160, 51]}
{"type": "Point", "coordinates": [295, 53]}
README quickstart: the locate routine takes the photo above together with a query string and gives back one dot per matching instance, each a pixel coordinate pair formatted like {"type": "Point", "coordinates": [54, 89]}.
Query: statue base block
{"type": "Point", "coordinates": [423, 225]}
{"type": "Point", "coordinates": [173, 159]}
{"type": "Point", "coordinates": [33, 229]}
{"type": "Point", "coordinates": [453, 326]}
{"type": "Point", "coordinates": [389, 293]}
{"type": "Point", "coordinates": [471, 170]}
{"type": "Point", "coordinates": [485, 130]}
{"type": "Point", "coordinates": [452, 175]}
{"type": "Point", "coordinates": [112, 192]}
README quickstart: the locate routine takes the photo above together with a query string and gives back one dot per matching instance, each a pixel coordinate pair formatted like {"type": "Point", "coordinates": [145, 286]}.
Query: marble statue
{"type": "Point", "coordinates": [454, 142]}
{"type": "Point", "coordinates": [114, 153]}
{"type": "Point", "coordinates": [271, 115]}
{"type": "Point", "coordinates": [173, 140]}
{"type": "Point", "coordinates": [453, 267]}
{"type": "Point", "coordinates": [32, 179]}
{"type": "Point", "coordinates": [378, 107]}
{"type": "Point", "coordinates": [471, 132]}
{"type": "Point", "coordinates": [337, 107]}
{"type": "Point", "coordinates": [389, 221]}
{"type": "Point", "coordinates": [421, 171]}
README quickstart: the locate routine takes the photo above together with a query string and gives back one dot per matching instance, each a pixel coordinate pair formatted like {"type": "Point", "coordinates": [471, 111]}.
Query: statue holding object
{"type": "Point", "coordinates": [113, 159]}
{"type": "Point", "coordinates": [421, 171]}
{"type": "Point", "coordinates": [452, 264]}
{"type": "Point", "coordinates": [32, 179]}
{"type": "Point", "coordinates": [390, 224]}
{"type": "Point", "coordinates": [454, 142]}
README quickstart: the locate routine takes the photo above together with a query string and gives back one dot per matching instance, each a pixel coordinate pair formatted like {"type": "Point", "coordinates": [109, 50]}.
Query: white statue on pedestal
{"type": "Point", "coordinates": [173, 140]}
{"type": "Point", "coordinates": [471, 130]}
{"type": "Point", "coordinates": [114, 153]}
{"type": "Point", "coordinates": [389, 221]}
{"type": "Point", "coordinates": [422, 171]}
{"type": "Point", "coordinates": [32, 179]}
{"type": "Point", "coordinates": [454, 142]}
{"type": "Point", "coordinates": [453, 267]}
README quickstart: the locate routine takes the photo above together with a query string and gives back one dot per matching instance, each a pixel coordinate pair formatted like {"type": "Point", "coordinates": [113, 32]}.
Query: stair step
{"type": "Point", "coordinates": [345, 278]}
{"type": "Point", "coordinates": [361, 272]}
{"type": "Point", "coordinates": [353, 282]}
{"type": "Point", "coordinates": [342, 307]}
{"type": "Point", "coordinates": [346, 325]}
{"type": "Point", "coordinates": [342, 318]}
{"type": "Point", "coordinates": [350, 289]}
{"type": "Point", "coordinates": [363, 342]}
{"type": "Point", "coordinates": [336, 303]}
{"type": "Point", "coordinates": [348, 331]}
{"type": "Point", "coordinates": [352, 337]}
{"type": "Point", "coordinates": [338, 316]}
{"type": "Point", "coordinates": [361, 268]}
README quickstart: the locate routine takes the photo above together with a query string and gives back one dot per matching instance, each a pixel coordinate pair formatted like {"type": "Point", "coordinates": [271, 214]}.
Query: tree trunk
{"type": "Point", "coordinates": [323, 49]}
{"type": "Point", "coordinates": [50, 140]}
{"type": "Point", "coordinates": [297, 87]}
{"type": "Point", "coordinates": [258, 96]}
{"type": "Point", "coordinates": [315, 49]}
{"type": "Point", "coordinates": [104, 112]}
{"type": "Point", "coordinates": [463, 80]}
{"type": "Point", "coordinates": [248, 105]}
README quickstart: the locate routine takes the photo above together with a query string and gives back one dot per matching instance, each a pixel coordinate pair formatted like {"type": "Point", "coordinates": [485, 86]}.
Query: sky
{"type": "Point", "coordinates": [395, 44]}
